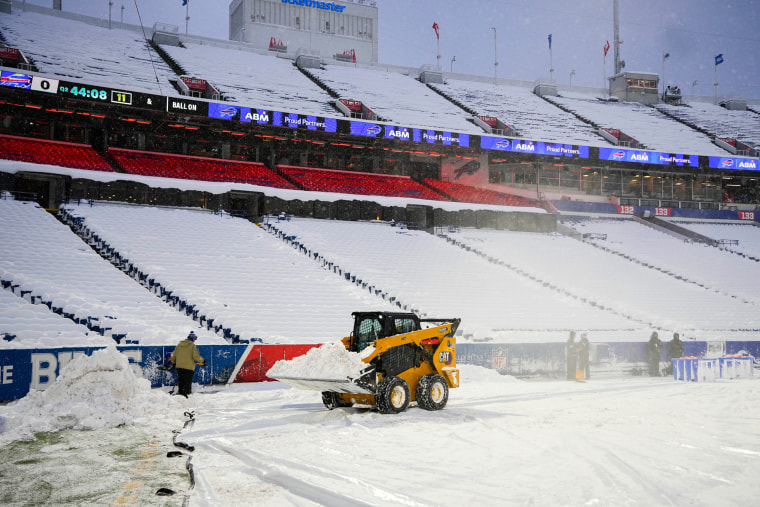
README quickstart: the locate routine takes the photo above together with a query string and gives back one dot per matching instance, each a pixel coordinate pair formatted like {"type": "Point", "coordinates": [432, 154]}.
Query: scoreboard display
{"type": "Point", "coordinates": [100, 94]}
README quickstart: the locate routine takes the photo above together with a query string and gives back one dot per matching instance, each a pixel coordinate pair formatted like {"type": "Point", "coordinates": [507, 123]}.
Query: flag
{"type": "Point", "coordinates": [606, 48]}
{"type": "Point", "coordinates": [550, 41]}
{"type": "Point", "coordinates": [665, 55]}
{"type": "Point", "coordinates": [184, 2]}
{"type": "Point", "coordinates": [435, 27]}
{"type": "Point", "coordinates": [719, 59]}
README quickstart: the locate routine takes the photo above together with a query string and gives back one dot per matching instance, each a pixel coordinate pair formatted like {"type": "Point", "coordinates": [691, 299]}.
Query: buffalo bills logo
{"type": "Point", "coordinates": [228, 112]}
{"type": "Point", "coordinates": [16, 80]}
{"type": "Point", "coordinates": [618, 155]}
{"type": "Point", "coordinates": [470, 168]}
{"type": "Point", "coordinates": [727, 163]}
{"type": "Point", "coordinates": [374, 130]}
{"type": "Point", "coordinates": [503, 144]}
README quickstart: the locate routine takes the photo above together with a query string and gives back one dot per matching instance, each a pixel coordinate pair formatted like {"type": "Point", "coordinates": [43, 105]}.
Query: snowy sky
{"type": "Point", "coordinates": [692, 31]}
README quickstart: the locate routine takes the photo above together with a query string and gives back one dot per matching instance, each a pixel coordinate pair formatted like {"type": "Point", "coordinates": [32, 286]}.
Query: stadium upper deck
{"type": "Point", "coordinates": [521, 109]}
{"type": "Point", "coordinates": [566, 126]}
{"type": "Point", "coordinates": [70, 49]}
{"type": "Point", "coordinates": [253, 79]}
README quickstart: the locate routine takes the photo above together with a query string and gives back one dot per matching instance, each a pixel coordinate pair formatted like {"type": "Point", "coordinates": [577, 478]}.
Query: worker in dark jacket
{"type": "Point", "coordinates": [184, 357]}
{"type": "Point", "coordinates": [654, 353]}
{"type": "Point", "coordinates": [675, 350]}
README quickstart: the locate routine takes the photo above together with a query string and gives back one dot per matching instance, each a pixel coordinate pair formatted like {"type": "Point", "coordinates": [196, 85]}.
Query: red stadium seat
{"type": "Point", "coordinates": [39, 151]}
{"type": "Point", "coordinates": [196, 168]}
{"type": "Point", "coordinates": [465, 193]}
{"type": "Point", "coordinates": [350, 182]}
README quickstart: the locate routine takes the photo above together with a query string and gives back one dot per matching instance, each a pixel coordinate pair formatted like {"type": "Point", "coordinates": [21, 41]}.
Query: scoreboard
{"type": "Point", "coordinates": [100, 94]}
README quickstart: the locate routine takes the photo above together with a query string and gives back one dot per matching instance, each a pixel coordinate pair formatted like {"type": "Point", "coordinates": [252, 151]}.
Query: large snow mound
{"type": "Point", "coordinates": [330, 361]}
{"type": "Point", "coordinates": [91, 392]}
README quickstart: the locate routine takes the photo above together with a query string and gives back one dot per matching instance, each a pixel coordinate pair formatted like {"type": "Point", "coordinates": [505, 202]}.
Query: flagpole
{"type": "Point", "coordinates": [716, 82]}
{"type": "Point", "coordinates": [551, 61]}
{"type": "Point", "coordinates": [495, 59]}
{"type": "Point", "coordinates": [187, 15]}
{"type": "Point", "coordinates": [551, 66]}
{"type": "Point", "coordinates": [438, 50]}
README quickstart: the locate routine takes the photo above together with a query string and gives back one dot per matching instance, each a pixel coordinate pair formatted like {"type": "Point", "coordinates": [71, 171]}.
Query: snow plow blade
{"type": "Point", "coordinates": [363, 384]}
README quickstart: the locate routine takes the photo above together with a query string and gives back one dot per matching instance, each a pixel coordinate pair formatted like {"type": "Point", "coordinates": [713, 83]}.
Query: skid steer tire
{"type": "Point", "coordinates": [432, 392]}
{"type": "Point", "coordinates": [392, 395]}
{"type": "Point", "coordinates": [332, 400]}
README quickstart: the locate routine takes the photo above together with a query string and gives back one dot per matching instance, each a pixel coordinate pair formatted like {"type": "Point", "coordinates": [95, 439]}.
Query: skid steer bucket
{"type": "Point", "coordinates": [363, 384]}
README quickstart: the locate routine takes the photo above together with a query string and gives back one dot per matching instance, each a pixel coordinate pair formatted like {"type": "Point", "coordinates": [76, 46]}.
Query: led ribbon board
{"type": "Point", "coordinates": [275, 118]}
{"type": "Point", "coordinates": [533, 147]}
{"type": "Point", "coordinates": [365, 129]}
{"type": "Point", "coordinates": [742, 164]}
{"type": "Point", "coordinates": [647, 157]}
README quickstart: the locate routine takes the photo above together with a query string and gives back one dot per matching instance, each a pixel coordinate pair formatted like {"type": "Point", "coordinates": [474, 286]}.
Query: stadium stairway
{"type": "Point", "coordinates": [93, 324]}
{"type": "Point", "coordinates": [692, 126]}
{"type": "Point", "coordinates": [581, 118]}
{"type": "Point", "coordinates": [454, 101]}
{"type": "Point", "coordinates": [122, 263]}
{"type": "Point", "coordinates": [330, 265]}
{"type": "Point", "coordinates": [674, 230]}
{"type": "Point", "coordinates": [589, 239]}
{"type": "Point", "coordinates": [545, 283]}
{"type": "Point", "coordinates": [176, 67]}
{"type": "Point", "coordinates": [688, 235]}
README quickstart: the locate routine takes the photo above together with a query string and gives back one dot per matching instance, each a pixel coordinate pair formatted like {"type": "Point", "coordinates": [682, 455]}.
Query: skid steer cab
{"type": "Point", "coordinates": [409, 359]}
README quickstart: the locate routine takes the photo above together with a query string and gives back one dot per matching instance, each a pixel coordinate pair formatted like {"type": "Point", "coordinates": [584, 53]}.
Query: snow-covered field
{"type": "Point", "coordinates": [499, 441]}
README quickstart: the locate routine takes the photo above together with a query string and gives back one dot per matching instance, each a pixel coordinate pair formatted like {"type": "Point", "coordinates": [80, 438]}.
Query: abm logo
{"type": "Point", "coordinates": [398, 134]}
{"type": "Point", "coordinates": [747, 164]}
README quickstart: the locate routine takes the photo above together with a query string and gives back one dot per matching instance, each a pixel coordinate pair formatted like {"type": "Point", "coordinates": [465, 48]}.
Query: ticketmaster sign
{"type": "Point", "coordinates": [327, 6]}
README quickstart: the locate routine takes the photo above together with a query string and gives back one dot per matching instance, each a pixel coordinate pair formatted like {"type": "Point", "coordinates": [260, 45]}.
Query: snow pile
{"type": "Point", "coordinates": [330, 361]}
{"type": "Point", "coordinates": [91, 392]}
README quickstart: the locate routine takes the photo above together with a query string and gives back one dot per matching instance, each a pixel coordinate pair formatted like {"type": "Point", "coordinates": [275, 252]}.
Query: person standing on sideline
{"type": "Point", "coordinates": [654, 353]}
{"type": "Point", "coordinates": [583, 356]}
{"type": "Point", "coordinates": [184, 357]}
{"type": "Point", "coordinates": [675, 350]}
{"type": "Point", "coordinates": [572, 356]}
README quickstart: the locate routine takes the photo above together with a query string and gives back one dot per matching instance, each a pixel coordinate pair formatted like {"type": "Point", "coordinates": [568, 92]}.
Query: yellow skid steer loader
{"type": "Point", "coordinates": [405, 363]}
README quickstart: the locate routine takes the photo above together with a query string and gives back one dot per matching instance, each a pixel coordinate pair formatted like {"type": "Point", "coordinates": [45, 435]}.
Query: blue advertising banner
{"type": "Point", "coordinates": [533, 147]}
{"type": "Point", "coordinates": [742, 164]}
{"type": "Point", "coordinates": [15, 80]}
{"type": "Point", "coordinates": [276, 118]}
{"type": "Point", "coordinates": [647, 157]}
{"type": "Point", "coordinates": [366, 129]}
{"type": "Point", "coordinates": [437, 137]}
{"type": "Point", "coordinates": [22, 370]}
